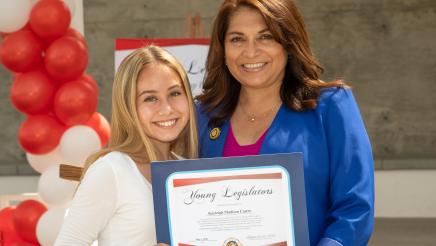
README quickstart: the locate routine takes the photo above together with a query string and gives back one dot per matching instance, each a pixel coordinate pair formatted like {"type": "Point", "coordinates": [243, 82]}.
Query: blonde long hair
{"type": "Point", "coordinates": [127, 135]}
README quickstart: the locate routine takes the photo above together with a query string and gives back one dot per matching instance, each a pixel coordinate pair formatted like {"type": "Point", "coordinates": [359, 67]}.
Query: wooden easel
{"type": "Point", "coordinates": [194, 26]}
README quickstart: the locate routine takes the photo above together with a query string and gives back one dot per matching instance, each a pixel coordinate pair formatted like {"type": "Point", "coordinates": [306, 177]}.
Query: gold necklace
{"type": "Point", "coordinates": [253, 118]}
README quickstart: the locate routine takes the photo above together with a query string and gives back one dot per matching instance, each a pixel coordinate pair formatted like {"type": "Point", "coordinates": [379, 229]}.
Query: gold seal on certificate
{"type": "Point", "coordinates": [232, 242]}
{"type": "Point", "coordinates": [240, 201]}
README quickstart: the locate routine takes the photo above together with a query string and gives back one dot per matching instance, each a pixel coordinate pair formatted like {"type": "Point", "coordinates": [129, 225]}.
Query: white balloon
{"type": "Point", "coordinates": [40, 163]}
{"type": "Point", "coordinates": [14, 14]}
{"type": "Point", "coordinates": [49, 225]}
{"type": "Point", "coordinates": [54, 190]}
{"type": "Point", "coordinates": [72, 6]}
{"type": "Point", "coordinates": [77, 143]}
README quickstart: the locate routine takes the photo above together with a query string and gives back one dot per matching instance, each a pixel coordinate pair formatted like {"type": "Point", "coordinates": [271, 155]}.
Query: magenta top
{"type": "Point", "coordinates": [232, 148]}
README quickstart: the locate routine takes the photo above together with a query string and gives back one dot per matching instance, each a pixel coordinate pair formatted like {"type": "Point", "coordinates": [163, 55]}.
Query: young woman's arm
{"type": "Point", "coordinates": [92, 207]}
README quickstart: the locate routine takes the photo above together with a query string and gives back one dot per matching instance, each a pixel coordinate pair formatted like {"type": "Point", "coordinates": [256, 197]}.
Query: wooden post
{"type": "Point", "coordinates": [194, 26]}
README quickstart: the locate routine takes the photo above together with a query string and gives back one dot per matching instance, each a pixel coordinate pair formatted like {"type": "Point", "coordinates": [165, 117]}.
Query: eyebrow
{"type": "Point", "coordinates": [154, 91]}
{"type": "Point", "coordinates": [240, 33]}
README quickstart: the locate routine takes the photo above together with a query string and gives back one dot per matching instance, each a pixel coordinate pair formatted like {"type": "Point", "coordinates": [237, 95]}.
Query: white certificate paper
{"type": "Point", "coordinates": [240, 206]}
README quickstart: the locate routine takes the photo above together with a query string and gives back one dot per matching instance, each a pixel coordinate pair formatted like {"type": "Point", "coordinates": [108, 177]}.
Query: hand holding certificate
{"type": "Point", "coordinates": [254, 200]}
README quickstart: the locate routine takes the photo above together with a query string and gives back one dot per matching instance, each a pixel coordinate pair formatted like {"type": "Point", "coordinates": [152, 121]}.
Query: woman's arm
{"type": "Point", "coordinates": [92, 207]}
{"type": "Point", "coordinates": [351, 213]}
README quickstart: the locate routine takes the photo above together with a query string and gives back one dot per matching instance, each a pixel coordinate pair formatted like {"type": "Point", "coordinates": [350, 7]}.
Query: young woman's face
{"type": "Point", "coordinates": [252, 55]}
{"type": "Point", "coordinates": [162, 104]}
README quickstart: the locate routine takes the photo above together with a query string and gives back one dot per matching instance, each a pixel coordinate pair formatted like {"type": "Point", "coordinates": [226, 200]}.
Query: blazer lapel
{"type": "Point", "coordinates": [214, 147]}
{"type": "Point", "coordinates": [279, 133]}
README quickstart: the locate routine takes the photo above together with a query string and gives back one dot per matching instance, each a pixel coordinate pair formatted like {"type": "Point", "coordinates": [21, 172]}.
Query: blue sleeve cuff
{"type": "Point", "coordinates": [328, 242]}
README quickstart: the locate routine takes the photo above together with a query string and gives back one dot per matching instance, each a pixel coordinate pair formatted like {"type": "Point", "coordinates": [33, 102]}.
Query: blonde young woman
{"type": "Point", "coordinates": [152, 119]}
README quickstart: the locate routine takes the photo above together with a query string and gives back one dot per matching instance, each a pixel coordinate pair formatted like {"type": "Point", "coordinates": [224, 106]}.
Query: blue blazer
{"type": "Point", "coordinates": [338, 163]}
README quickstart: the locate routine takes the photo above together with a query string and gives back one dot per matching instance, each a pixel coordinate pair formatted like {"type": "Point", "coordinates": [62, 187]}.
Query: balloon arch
{"type": "Point", "coordinates": [51, 88]}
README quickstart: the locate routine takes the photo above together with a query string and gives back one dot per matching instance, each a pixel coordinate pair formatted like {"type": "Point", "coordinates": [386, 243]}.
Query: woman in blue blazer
{"type": "Point", "coordinates": [262, 95]}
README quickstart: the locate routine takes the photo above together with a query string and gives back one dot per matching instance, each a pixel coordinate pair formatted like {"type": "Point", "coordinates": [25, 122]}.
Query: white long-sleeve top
{"type": "Point", "coordinates": [113, 204]}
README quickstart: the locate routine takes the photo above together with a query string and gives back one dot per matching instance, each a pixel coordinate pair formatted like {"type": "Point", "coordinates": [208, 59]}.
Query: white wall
{"type": "Point", "coordinates": [16, 189]}
{"type": "Point", "coordinates": [14, 185]}
{"type": "Point", "coordinates": [402, 193]}
{"type": "Point", "coordinates": [405, 193]}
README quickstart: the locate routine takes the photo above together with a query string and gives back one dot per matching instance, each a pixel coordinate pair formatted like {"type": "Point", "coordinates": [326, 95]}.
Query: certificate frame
{"type": "Point", "coordinates": [290, 162]}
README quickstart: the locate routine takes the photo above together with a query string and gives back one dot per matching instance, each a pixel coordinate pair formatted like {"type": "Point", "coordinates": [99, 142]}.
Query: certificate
{"type": "Point", "coordinates": [253, 200]}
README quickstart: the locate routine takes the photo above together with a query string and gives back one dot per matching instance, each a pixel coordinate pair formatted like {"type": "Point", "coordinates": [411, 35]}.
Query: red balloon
{"type": "Point", "coordinates": [74, 103]}
{"type": "Point", "coordinates": [8, 234]}
{"type": "Point", "coordinates": [25, 218]}
{"type": "Point", "coordinates": [87, 79]}
{"type": "Point", "coordinates": [99, 123]}
{"type": "Point", "coordinates": [66, 59]}
{"type": "Point", "coordinates": [40, 134]}
{"type": "Point", "coordinates": [33, 92]}
{"type": "Point", "coordinates": [73, 33]}
{"type": "Point", "coordinates": [21, 51]}
{"type": "Point", "coordinates": [50, 19]}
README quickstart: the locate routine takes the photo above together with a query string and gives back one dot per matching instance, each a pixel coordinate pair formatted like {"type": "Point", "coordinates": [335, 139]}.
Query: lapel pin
{"type": "Point", "coordinates": [214, 133]}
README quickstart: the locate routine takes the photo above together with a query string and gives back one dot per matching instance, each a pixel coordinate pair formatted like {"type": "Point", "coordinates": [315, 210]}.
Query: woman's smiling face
{"type": "Point", "coordinates": [252, 54]}
{"type": "Point", "coordinates": [161, 103]}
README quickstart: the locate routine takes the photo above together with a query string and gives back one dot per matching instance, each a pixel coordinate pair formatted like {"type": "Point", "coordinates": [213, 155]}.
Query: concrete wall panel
{"type": "Point", "coordinates": [383, 48]}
